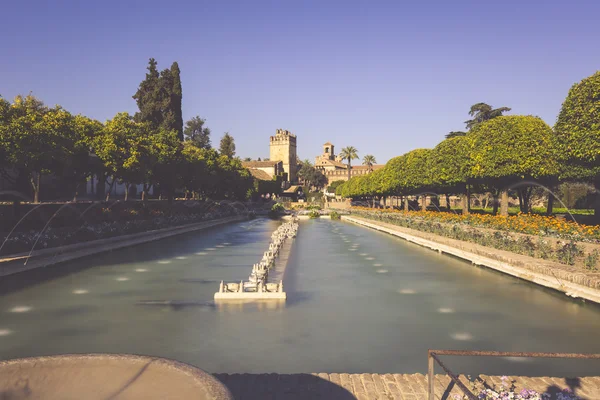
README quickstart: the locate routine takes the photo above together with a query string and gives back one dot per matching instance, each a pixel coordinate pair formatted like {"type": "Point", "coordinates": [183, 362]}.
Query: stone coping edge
{"type": "Point", "coordinates": [570, 289]}
{"type": "Point", "coordinates": [213, 386]}
{"type": "Point", "coordinates": [46, 259]}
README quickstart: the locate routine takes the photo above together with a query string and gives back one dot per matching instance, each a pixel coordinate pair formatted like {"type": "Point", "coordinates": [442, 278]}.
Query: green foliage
{"type": "Point", "coordinates": [37, 140]}
{"type": "Point", "coordinates": [448, 164]}
{"type": "Point", "coordinates": [349, 153]}
{"type": "Point", "coordinates": [314, 214]}
{"type": "Point", "coordinates": [508, 149]}
{"type": "Point", "coordinates": [197, 133]}
{"type": "Point", "coordinates": [332, 188]}
{"type": "Point", "coordinates": [227, 145]}
{"type": "Point", "coordinates": [335, 215]}
{"type": "Point", "coordinates": [578, 129]}
{"type": "Point", "coordinates": [311, 176]}
{"type": "Point", "coordinates": [277, 207]}
{"type": "Point", "coordinates": [369, 160]}
{"type": "Point", "coordinates": [482, 112]}
{"type": "Point", "coordinates": [591, 260]}
{"type": "Point", "coordinates": [568, 253]}
{"type": "Point", "coordinates": [159, 99]}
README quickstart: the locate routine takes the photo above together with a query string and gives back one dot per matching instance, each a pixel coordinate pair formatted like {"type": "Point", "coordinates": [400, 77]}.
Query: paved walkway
{"type": "Point", "coordinates": [381, 386]}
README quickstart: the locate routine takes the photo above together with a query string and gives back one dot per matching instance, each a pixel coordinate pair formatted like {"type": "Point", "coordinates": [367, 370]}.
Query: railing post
{"type": "Point", "coordinates": [430, 376]}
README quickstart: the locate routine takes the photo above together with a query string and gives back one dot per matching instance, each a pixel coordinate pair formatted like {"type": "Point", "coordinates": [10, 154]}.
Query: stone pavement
{"type": "Point", "coordinates": [382, 386]}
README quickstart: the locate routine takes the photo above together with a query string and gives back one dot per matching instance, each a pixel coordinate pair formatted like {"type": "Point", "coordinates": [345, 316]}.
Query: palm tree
{"type": "Point", "coordinates": [349, 153]}
{"type": "Point", "coordinates": [369, 160]}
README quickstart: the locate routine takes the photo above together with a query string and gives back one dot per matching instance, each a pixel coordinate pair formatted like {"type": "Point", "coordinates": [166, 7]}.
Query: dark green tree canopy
{"type": "Point", "coordinates": [227, 145]}
{"type": "Point", "coordinates": [159, 98]}
{"type": "Point", "coordinates": [578, 129]}
{"type": "Point", "coordinates": [197, 133]}
{"type": "Point", "coordinates": [480, 112]}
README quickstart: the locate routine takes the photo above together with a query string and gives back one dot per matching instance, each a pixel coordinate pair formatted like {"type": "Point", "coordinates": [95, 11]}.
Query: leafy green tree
{"type": "Point", "coordinates": [453, 134]}
{"type": "Point", "coordinates": [480, 112]}
{"type": "Point", "coordinates": [448, 166]}
{"type": "Point", "coordinates": [197, 133]}
{"type": "Point", "coordinates": [167, 161]}
{"type": "Point", "coordinates": [311, 176]}
{"type": "Point", "coordinates": [79, 165]}
{"type": "Point", "coordinates": [125, 148]}
{"type": "Point", "coordinates": [36, 140]}
{"type": "Point", "coordinates": [332, 188]}
{"type": "Point", "coordinates": [349, 153]}
{"type": "Point", "coordinates": [578, 133]}
{"type": "Point", "coordinates": [512, 149]}
{"type": "Point", "coordinates": [369, 161]}
{"type": "Point", "coordinates": [159, 98]}
{"type": "Point", "coordinates": [176, 100]}
{"type": "Point", "coordinates": [227, 146]}
{"type": "Point", "coordinates": [149, 98]}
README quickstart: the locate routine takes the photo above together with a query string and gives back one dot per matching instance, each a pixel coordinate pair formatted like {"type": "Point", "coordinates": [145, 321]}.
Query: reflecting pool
{"type": "Point", "coordinates": [358, 301]}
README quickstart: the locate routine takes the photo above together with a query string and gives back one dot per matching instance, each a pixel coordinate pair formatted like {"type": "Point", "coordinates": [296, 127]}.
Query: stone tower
{"type": "Point", "coordinates": [283, 148]}
{"type": "Point", "coordinates": [328, 151]}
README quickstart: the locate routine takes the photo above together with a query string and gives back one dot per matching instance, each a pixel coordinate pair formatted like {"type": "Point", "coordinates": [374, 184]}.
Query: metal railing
{"type": "Point", "coordinates": [433, 355]}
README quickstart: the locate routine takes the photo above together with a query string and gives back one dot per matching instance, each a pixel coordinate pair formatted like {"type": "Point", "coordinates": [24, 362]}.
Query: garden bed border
{"type": "Point", "coordinates": [550, 281]}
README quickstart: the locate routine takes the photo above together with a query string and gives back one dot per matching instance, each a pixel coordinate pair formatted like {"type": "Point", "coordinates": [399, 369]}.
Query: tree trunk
{"type": "Point", "coordinates": [550, 204]}
{"type": "Point", "coordinates": [468, 199]}
{"type": "Point", "coordinates": [504, 203]}
{"type": "Point", "coordinates": [349, 166]}
{"type": "Point", "coordinates": [448, 202]}
{"type": "Point", "coordinates": [465, 202]}
{"type": "Point", "coordinates": [423, 203]}
{"type": "Point", "coordinates": [406, 203]}
{"type": "Point", "coordinates": [35, 184]}
{"type": "Point", "coordinates": [495, 204]}
{"type": "Point", "coordinates": [110, 187]}
{"type": "Point", "coordinates": [486, 201]}
{"type": "Point", "coordinates": [76, 192]}
{"type": "Point", "coordinates": [101, 186]}
{"type": "Point", "coordinates": [126, 191]}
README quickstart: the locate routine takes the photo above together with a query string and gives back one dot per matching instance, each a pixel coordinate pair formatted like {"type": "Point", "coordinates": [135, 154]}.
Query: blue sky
{"type": "Point", "coordinates": [385, 77]}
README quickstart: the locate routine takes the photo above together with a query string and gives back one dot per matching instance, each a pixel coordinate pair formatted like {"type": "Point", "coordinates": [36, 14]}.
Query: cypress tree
{"type": "Point", "coordinates": [176, 98]}
{"type": "Point", "coordinates": [159, 99]}
{"type": "Point", "coordinates": [148, 96]}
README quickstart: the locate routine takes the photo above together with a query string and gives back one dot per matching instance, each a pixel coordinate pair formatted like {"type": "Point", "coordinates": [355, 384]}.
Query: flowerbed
{"type": "Point", "coordinates": [19, 242]}
{"type": "Point", "coordinates": [531, 224]}
{"type": "Point", "coordinates": [554, 240]}
{"type": "Point", "coordinates": [508, 391]}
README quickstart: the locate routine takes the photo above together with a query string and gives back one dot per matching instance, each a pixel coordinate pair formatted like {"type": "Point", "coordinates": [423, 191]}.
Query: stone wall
{"type": "Point", "coordinates": [283, 148]}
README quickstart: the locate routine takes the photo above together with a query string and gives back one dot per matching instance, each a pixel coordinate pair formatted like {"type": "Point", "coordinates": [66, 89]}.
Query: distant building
{"type": "Point", "coordinates": [264, 170]}
{"type": "Point", "coordinates": [335, 169]}
{"type": "Point", "coordinates": [283, 148]}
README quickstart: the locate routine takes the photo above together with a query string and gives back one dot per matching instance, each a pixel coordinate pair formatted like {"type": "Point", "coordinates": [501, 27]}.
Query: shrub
{"type": "Point", "coordinates": [335, 215]}
{"type": "Point", "coordinates": [277, 207]}
{"type": "Point", "coordinates": [568, 253]}
{"type": "Point", "coordinates": [591, 260]}
{"type": "Point", "coordinates": [314, 214]}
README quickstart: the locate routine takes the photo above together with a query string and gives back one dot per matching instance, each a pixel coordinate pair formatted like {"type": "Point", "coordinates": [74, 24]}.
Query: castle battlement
{"type": "Point", "coordinates": [281, 135]}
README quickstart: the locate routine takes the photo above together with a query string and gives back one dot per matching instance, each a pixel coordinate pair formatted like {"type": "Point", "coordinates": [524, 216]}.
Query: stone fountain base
{"type": "Point", "coordinates": [106, 376]}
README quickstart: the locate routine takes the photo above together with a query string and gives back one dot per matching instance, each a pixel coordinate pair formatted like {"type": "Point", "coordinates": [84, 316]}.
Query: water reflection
{"type": "Point", "coordinates": [343, 312]}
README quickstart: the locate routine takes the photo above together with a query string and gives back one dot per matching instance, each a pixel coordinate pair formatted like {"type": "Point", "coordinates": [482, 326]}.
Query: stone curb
{"type": "Point", "coordinates": [551, 281]}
